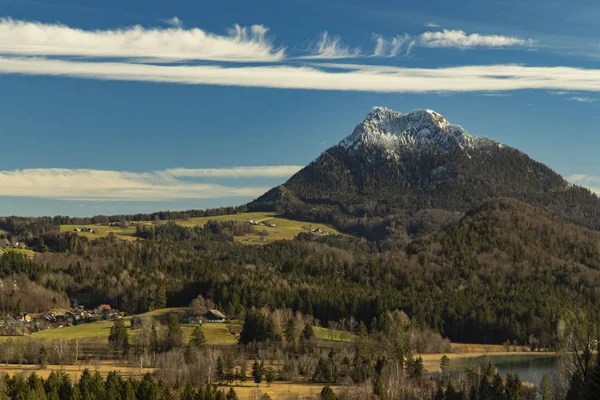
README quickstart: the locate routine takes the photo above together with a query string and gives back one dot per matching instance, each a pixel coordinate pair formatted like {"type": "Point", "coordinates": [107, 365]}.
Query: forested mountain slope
{"type": "Point", "coordinates": [394, 165]}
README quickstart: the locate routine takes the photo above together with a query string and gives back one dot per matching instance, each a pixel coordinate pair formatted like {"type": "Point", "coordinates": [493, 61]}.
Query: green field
{"type": "Point", "coordinates": [25, 252]}
{"type": "Point", "coordinates": [100, 329]}
{"type": "Point", "coordinates": [323, 334]}
{"type": "Point", "coordinates": [3, 232]}
{"type": "Point", "coordinates": [215, 333]}
{"type": "Point", "coordinates": [285, 229]}
{"type": "Point", "coordinates": [126, 233]}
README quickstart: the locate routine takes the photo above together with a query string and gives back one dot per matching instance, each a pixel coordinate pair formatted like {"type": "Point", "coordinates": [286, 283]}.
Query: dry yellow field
{"type": "Point", "coordinates": [74, 371]}
{"type": "Point", "coordinates": [431, 362]}
{"type": "Point", "coordinates": [279, 390]}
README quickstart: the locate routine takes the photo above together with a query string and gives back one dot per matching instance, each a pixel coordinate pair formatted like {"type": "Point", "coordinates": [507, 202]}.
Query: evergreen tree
{"type": "Point", "coordinates": [220, 371]}
{"type": "Point", "coordinates": [257, 373]}
{"type": "Point", "coordinates": [378, 388]}
{"type": "Point", "coordinates": [242, 374]}
{"type": "Point", "coordinates": [232, 395]}
{"type": "Point", "coordinates": [118, 337]}
{"type": "Point", "coordinates": [290, 334]}
{"type": "Point", "coordinates": [546, 388]}
{"type": "Point", "coordinates": [43, 357]}
{"type": "Point", "coordinates": [174, 336]}
{"type": "Point", "coordinates": [328, 394]}
{"type": "Point", "coordinates": [269, 376]}
{"type": "Point", "coordinates": [445, 365]}
{"type": "Point", "coordinates": [198, 339]}
{"type": "Point", "coordinates": [513, 388]}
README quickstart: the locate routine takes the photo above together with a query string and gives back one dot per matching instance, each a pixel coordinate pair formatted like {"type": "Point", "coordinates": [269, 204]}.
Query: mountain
{"type": "Point", "coordinates": [395, 167]}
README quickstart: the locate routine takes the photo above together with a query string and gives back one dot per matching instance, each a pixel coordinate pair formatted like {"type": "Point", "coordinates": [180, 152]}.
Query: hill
{"type": "Point", "coordinates": [394, 165]}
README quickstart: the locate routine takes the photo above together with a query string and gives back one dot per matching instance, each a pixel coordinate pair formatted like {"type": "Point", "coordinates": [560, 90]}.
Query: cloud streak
{"type": "Point", "coordinates": [583, 99]}
{"type": "Point", "coordinates": [247, 44]}
{"type": "Point", "coordinates": [101, 185]}
{"type": "Point", "coordinates": [330, 48]}
{"type": "Point", "coordinates": [338, 77]}
{"type": "Point", "coordinates": [459, 39]}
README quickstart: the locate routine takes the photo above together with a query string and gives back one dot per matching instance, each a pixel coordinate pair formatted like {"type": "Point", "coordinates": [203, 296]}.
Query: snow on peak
{"type": "Point", "coordinates": [393, 132]}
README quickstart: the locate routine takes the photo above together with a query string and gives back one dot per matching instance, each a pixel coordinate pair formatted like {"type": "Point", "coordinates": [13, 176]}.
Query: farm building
{"type": "Point", "coordinates": [215, 316]}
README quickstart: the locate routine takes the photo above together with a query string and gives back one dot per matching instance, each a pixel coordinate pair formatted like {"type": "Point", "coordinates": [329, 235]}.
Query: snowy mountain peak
{"type": "Point", "coordinates": [392, 133]}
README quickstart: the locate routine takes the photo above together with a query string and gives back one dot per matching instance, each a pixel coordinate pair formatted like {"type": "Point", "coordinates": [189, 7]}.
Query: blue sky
{"type": "Point", "coordinates": [139, 106]}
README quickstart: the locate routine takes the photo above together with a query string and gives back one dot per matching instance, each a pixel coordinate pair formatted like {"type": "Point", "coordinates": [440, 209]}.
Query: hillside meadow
{"type": "Point", "coordinates": [284, 229]}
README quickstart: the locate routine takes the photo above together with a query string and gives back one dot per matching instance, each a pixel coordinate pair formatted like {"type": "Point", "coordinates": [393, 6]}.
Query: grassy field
{"type": "Point", "coordinates": [285, 229]}
{"type": "Point", "coordinates": [338, 336]}
{"type": "Point", "coordinates": [99, 329]}
{"type": "Point", "coordinates": [215, 333]}
{"type": "Point", "coordinates": [25, 252]}
{"type": "Point", "coordinates": [126, 233]}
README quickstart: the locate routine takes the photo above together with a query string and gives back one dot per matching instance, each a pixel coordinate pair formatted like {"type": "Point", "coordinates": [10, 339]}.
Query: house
{"type": "Point", "coordinates": [102, 308]}
{"type": "Point", "coordinates": [192, 320]}
{"type": "Point", "coordinates": [24, 317]}
{"type": "Point", "coordinates": [215, 316]}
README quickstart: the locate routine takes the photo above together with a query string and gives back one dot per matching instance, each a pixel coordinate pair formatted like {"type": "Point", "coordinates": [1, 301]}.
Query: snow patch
{"type": "Point", "coordinates": [393, 133]}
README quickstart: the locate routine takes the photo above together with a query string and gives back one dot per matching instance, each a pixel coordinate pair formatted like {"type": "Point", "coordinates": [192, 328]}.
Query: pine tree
{"type": "Point", "coordinates": [378, 388]}
{"type": "Point", "coordinates": [546, 388]}
{"type": "Point", "coordinates": [269, 376]}
{"type": "Point", "coordinates": [174, 332]}
{"type": "Point", "coordinates": [242, 374]}
{"type": "Point", "coordinates": [232, 395]}
{"type": "Point", "coordinates": [327, 394]}
{"type": "Point", "coordinates": [220, 371]}
{"type": "Point", "coordinates": [290, 334]}
{"type": "Point", "coordinates": [257, 373]}
{"type": "Point", "coordinates": [198, 339]}
{"type": "Point", "coordinates": [43, 357]}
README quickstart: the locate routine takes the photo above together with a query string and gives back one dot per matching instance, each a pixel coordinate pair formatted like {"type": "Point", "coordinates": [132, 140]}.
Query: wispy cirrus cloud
{"type": "Point", "coordinates": [583, 99]}
{"type": "Point", "coordinates": [403, 44]}
{"type": "Point", "coordinates": [248, 44]}
{"type": "Point", "coordinates": [325, 76]}
{"type": "Point", "coordinates": [386, 47]}
{"type": "Point", "coordinates": [331, 47]}
{"type": "Point", "coordinates": [102, 185]}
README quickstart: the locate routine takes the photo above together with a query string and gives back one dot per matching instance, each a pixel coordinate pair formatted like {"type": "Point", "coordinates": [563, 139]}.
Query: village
{"type": "Point", "coordinates": [25, 323]}
{"type": "Point", "coordinates": [11, 244]}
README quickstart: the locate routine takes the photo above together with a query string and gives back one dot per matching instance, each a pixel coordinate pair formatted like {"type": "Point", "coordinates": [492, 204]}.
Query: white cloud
{"type": "Point", "coordinates": [99, 185]}
{"type": "Point", "coordinates": [432, 25]}
{"type": "Point", "coordinates": [328, 47]}
{"type": "Point", "coordinates": [391, 47]}
{"type": "Point", "coordinates": [459, 39]}
{"type": "Point", "coordinates": [247, 44]}
{"type": "Point", "coordinates": [583, 99]}
{"type": "Point", "coordinates": [176, 22]}
{"type": "Point", "coordinates": [237, 172]}
{"type": "Point", "coordinates": [589, 181]}
{"type": "Point", "coordinates": [351, 77]}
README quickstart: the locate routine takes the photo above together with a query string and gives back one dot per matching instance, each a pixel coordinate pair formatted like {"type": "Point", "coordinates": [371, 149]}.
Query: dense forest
{"type": "Point", "coordinates": [364, 193]}
{"type": "Point", "coordinates": [506, 271]}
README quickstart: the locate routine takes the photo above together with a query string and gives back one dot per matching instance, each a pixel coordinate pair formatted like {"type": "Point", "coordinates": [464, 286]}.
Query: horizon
{"type": "Point", "coordinates": [140, 107]}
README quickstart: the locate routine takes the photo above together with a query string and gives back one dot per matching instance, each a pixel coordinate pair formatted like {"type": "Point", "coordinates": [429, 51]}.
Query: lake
{"type": "Point", "coordinates": [530, 367]}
